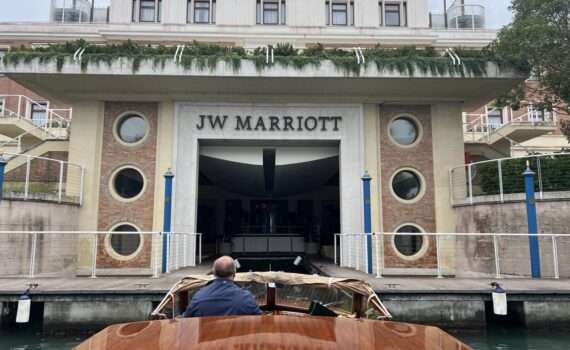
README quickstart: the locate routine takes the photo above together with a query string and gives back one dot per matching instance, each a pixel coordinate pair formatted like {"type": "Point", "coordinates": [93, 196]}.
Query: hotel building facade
{"type": "Point", "coordinates": [266, 161]}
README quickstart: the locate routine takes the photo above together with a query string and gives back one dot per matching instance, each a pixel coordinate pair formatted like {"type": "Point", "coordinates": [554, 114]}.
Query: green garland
{"type": "Point", "coordinates": [404, 60]}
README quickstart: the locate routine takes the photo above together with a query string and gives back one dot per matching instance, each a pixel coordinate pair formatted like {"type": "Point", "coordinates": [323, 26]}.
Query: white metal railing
{"type": "Point", "coordinates": [41, 178]}
{"type": "Point", "coordinates": [479, 127]}
{"type": "Point", "coordinates": [459, 17]}
{"type": "Point", "coordinates": [183, 250]}
{"type": "Point", "coordinates": [33, 254]}
{"type": "Point", "coordinates": [470, 17]}
{"type": "Point", "coordinates": [79, 11]}
{"type": "Point", "coordinates": [500, 180]}
{"type": "Point", "coordinates": [17, 144]}
{"type": "Point", "coordinates": [461, 255]}
{"type": "Point", "coordinates": [54, 122]}
{"type": "Point", "coordinates": [537, 117]}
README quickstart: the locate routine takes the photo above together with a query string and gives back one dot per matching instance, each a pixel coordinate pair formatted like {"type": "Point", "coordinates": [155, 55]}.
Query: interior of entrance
{"type": "Point", "coordinates": [268, 200]}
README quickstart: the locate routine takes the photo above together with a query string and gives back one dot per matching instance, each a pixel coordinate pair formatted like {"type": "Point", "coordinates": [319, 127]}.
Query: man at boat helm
{"type": "Point", "coordinates": [222, 296]}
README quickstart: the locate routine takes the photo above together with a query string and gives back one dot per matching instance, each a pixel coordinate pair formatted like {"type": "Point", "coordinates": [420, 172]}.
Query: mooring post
{"type": "Point", "coordinates": [2, 167]}
{"type": "Point", "coordinates": [367, 219]}
{"type": "Point", "coordinates": [532, 221]}
{"type": "Point", "coordinates": [168, 177]}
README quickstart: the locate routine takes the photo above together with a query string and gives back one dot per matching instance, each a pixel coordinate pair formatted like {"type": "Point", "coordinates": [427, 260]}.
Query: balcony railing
{"type": "Point", "coordinates": [501, 180]}
{"type": "Point", "coordinates": [33, 254]}
{"type": "Point", "coordinates": [479, 127]}
{"type": "Point", "coordinates": [463, 255]}
{"type": "Point", "coordinates": [35, 112]}
{"type": "Point", "coordinates": [80, 11]}
{"type": "Point", "coordinates": [39, 120]}
{"type": "Point", "coordinates": [459, 17]}
{"type": "Point", "coordinates": [41, 178]}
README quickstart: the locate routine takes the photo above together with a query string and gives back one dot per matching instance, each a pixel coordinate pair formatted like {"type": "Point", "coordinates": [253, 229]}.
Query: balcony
{"type": "Point", "coordinates": [79, 11]}
{"type": "Point", "coordinates": [495, 129]}
{"type": "Point", "coordinates": [460, 16]}
{"type": "Point", "coordinates": [26, 123]}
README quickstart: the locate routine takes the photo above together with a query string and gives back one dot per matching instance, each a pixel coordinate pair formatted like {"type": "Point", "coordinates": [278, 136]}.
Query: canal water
{"type": "Point", "coordinates": [513, 339]}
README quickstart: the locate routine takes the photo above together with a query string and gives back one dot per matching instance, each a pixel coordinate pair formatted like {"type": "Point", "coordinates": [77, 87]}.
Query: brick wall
{"type": "Point", "coordinates": [41, 170]}
{"type": "Point", "coordinates": [420, 158]}
{"type": "Point", "coordinates": [114, 155]}
{"type": "Point", "coordinates": [10, 87]}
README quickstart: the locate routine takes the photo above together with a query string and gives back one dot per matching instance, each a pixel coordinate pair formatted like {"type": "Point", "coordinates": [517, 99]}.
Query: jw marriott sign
{"type": "Point", "coordinates": [269, 123]}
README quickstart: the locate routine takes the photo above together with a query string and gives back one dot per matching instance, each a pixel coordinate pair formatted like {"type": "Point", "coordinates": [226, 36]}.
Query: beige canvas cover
{"type": "Point", "coordinates": [349, 285]}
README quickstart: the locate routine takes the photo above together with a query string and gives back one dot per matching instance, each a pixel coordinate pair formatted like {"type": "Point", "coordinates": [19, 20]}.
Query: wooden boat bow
{"type": "Point", "coordinates": [271, 332]}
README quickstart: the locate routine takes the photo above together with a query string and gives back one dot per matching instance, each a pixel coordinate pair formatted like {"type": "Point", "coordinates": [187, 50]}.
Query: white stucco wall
{"type": "Point", "coordinates": [174, 12]}
{"type": "Point", "coordinates": [305, 13]}
{"type": "Point", "coordinates": [120, 11]}
{"type": "Point", "coordinates": [364, 15]}
{"type": "Point", "coordinates": [418, 14]}
{"type": "Point", "coordinates": [300, 13]}
{"type": "Point", "coordinates": [235, 12]}
{"type": "Point", "coordinates": [186, 148]}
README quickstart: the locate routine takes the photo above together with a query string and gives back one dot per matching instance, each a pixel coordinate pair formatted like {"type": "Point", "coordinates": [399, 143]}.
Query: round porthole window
{"type": "Point", "coordinates": [128, 183]}
{"type": "Point", "coordinates": [131, 128]}
{"type": "Point", "coordinates": [125, 244]}
{"type": "Point", "coordinates": [404, 131]}
{"type": "Point", "coordinates": [407, 185]}
{"type": "Point", "coordinates": [409, 245]}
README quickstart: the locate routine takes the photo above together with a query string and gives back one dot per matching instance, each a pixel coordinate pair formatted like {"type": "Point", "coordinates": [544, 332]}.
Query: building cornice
{"type": "Point", "coordinates": [244, 35]}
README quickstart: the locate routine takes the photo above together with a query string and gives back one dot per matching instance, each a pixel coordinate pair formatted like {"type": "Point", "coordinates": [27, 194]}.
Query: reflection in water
{"type": "Point", "coordinates": [515, 339]}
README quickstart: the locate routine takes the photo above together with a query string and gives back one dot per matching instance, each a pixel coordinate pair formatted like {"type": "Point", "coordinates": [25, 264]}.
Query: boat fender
{"type": "Point", "coordinates": [499, 299]}
{"type": "Point", "coordinates": [24, 307]}
{"type": "Point", "coordinates": [297, 261]}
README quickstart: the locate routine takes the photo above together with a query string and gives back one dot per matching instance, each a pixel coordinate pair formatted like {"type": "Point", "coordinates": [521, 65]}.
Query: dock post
{"type": "Point", "coordinates": [532, 221]}
{"type": "Point", "coordinates": [367, 219]}
{"type": "Point", "coordinates": [168, 177]}
{"type": "Point", "coordinates": [2, 167]}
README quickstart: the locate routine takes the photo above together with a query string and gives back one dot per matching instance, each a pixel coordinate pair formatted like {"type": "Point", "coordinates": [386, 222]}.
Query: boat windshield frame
{"type": "Point", "coordinates": [363, 296]}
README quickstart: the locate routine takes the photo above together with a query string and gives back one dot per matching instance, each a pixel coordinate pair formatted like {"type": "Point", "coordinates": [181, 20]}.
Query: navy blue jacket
{"type": "Point", "coordinates": [222, 297]}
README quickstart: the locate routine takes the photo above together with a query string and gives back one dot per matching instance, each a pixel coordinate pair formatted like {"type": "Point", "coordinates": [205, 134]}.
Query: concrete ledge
{"type": "Point", "coordinates": [84, 303]}
{"type": "Point", "coordinates": [92, 314]}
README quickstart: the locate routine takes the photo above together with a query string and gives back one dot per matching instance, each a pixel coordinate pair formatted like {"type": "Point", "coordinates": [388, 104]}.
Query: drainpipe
{"type": "Point", "coordinates": [445, 13]}
{"type": "Point", "coordinates": [2, 167]}
{"type": "Point", "coordinates": [532, 222]}
{"type": "Point", "coordinates": [166, 227]}
{"type": "Point", "coordinates": [367, 219]}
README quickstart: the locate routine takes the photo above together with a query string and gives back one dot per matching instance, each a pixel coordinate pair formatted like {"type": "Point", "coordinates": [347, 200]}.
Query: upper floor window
{"type": "Point", "coordinates": [39, 112]}
{"type": "Point", "coordinates": [536, 114]}
{"type": "Point", "coordinates": [201, 11]}
{"type": "Point", "coordinates": [2, 106]}
{"type": "Point", "coordinates": [393, 13]}
{"type": "Point", "coordinates": [341, 13]}
{"type": "Point", "coordinates": [270, 12]}
{"type": "Point", "coordinates": [82, 11]}
{"type": "Point", "coordinates": [147, 11]}
{"type": "Point", "coordinates": [494, 116]}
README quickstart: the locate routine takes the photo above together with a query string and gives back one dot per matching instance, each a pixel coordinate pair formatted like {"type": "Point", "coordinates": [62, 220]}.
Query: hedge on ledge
{"type": "Point", "coordinates": [554, 172]}
{"type": "Point", "coordinates": [404, 60]}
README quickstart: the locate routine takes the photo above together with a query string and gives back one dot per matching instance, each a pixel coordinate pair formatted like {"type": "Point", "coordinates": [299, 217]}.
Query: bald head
{"type": "Point", "coordinates": [224, 267]}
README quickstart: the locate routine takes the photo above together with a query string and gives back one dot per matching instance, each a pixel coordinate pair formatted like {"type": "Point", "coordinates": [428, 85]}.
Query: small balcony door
{"type": "Point", "coordinates": [38, 113]}
{"type": "Point", "coordinates": [494, 117]}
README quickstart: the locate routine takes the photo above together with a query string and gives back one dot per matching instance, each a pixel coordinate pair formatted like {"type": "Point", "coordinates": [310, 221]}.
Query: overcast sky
{"type": "Point", "coordinates": [497, 11]}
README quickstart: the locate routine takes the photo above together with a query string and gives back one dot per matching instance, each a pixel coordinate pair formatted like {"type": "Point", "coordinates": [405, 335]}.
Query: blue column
{"type": "Point", "coordinates": [168, 177]}
{"type": "Point", "coordinates": [2, 167]}
{"type": "Point", "coordinates": [367, 219]}
{"type": "Point", "coordinates": [532, 222]}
